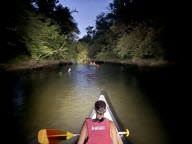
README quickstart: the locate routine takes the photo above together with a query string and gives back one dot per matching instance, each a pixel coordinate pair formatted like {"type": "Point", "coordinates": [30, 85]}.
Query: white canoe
{"type": "Point", "coordinates": [108, 114]}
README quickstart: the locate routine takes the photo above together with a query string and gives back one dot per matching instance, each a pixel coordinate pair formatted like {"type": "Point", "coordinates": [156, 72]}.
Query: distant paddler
{"type": "Point", "coordinates": [93, 63]}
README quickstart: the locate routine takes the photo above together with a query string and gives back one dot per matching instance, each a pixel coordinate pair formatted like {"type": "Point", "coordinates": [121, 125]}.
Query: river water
{"type": "Point", "coordinates": [144, 100]}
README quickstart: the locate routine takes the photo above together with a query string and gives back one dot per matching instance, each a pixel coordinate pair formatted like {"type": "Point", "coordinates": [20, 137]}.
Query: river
{"type": "Point", "coordinates": [145, 100]}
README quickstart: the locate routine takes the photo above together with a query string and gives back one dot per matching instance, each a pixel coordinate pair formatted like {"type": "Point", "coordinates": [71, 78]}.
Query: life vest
{"type": "Point", "coordinates": [98, 132]}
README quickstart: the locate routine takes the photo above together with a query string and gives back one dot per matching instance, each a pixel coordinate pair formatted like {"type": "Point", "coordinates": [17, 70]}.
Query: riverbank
{"type": "Point", "coordinates": [142, 62]}
{"type": "Point", "coordinates": [32, 64]}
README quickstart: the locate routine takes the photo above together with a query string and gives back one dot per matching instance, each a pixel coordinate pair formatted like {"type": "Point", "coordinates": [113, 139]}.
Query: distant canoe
{"type": "Point", "coordinates": [94, 65]}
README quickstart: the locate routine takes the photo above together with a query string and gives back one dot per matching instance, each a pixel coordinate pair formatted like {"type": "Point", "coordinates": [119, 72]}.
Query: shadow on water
{"type": "Point", "coordinates": [10, 123]}
{"type": "Point", "coordinates": [167, 89]}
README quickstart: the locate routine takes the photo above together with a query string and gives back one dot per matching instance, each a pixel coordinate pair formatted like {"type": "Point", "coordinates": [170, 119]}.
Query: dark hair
{"type": "Point", "coordinates": [100, 107]}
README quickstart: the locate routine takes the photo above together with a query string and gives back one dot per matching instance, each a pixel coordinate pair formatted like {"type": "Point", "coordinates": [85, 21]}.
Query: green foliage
{"type": "Point", "coordinates": [82, 53]}
{"type": "Point", "coordinates": [70, 54]}
{"type": "Point", "coordinates": [93, 49]}
{"type": "Point", "coordinates": [43, 39]}
{"type": "Point", "coordinates": [121, 50]}
{"type": "Point", "coordinates": [98, 43]}
{"type": "Point", "coordinates": [129, 31]}
{"type": "Point", "coordinates": [106, 54]}
{"type": "Point", "coordinates": [142, 42]}
{"type": "Point", "coordinates": [61, 15]}
{"type": "Point", "coordinates": [123, 35]}
{"type": "Point", "coordinates": [108, 43]}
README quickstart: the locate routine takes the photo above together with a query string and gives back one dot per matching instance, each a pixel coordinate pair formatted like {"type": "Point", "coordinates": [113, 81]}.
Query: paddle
{"type": "Point", "coordinates": [46, 136]}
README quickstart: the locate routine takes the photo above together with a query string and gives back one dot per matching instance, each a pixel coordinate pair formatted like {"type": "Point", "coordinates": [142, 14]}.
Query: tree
{"type": "Point", "coordinates": [43, 39]}
{"type": "Point", "coordinates": [10, 19]}
{"type": "Point", "coordinates": [64, 19]}
{"type": "Point", "coordinates": [45, 7]}
{"type": "Point", "coordinates": [61, 15]}
{"type": "Point", "coordinates": [102, 23]}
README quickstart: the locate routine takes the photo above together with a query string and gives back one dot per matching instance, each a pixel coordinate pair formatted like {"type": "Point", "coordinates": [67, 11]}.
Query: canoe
{"type": "Point", "coordinates": [93, 65]}
{"type": "Point", "coordinates": [108, 114]}
{"type": "Point", "coordinates": [53, 136]}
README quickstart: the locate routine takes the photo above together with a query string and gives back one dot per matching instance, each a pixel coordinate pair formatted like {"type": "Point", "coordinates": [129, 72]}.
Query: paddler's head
{"type": "Point", "coordinates": [100, 107]}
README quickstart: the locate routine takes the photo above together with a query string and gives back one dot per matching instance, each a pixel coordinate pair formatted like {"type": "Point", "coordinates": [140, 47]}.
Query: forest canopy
{"type": "Point", "coordinates": [132, 30]}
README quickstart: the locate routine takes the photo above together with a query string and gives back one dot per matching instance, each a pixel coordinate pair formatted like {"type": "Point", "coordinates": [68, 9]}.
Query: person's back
{"type": "Point", "coordinates": [98, 131]}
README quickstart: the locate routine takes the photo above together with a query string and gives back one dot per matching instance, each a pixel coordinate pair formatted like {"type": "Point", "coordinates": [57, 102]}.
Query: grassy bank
{"type": "Point", "coordinates": [30, 64]}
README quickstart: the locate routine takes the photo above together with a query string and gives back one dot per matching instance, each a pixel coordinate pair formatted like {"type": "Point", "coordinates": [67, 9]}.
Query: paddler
{"type": "Point", "coordinates": [99, 130]}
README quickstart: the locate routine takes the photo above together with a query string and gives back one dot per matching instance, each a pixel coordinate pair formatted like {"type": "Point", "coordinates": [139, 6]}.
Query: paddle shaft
{"type": "Point", "coordinates": [77, 134]}
{"type": "Point", "coordinates": [122, 132]}
{"type": "Point", "coordinates": [54, 135]}
{"type": "Point", "coordinates": [58, 135]}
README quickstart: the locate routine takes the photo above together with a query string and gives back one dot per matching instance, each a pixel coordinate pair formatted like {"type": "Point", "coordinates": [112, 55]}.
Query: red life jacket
{"type": "Point", "coordinates": [98, 132]}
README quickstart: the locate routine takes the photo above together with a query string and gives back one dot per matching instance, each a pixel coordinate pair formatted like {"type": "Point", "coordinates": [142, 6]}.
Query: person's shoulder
{"type": "Point", "coordinates": [88, 119]}
{"type": "Point", "coordinates": [110, 121]}
{"type": "Point", "coordinates": [112, 124]}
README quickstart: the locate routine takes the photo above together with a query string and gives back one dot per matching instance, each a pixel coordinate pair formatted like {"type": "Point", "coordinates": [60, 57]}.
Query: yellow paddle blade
{"type": "Point", "coordinates": [47, 136]}
{"type": "Point", "coordinates": [42, 136]}
{"type": "Point", "coordinates": [127, 132]}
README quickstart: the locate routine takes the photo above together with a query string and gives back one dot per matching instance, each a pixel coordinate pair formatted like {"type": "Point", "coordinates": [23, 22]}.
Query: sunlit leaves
{"type": "Point", "coordinates": [82, 54]}
{"type": "Point", "coordinates": [43, 39]}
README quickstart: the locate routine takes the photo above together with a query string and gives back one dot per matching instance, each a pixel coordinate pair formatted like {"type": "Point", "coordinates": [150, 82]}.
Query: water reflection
{"type": "Point", "coordinates": [18, 99]}
{"type": "Point", "coordinates": [55, 98]}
